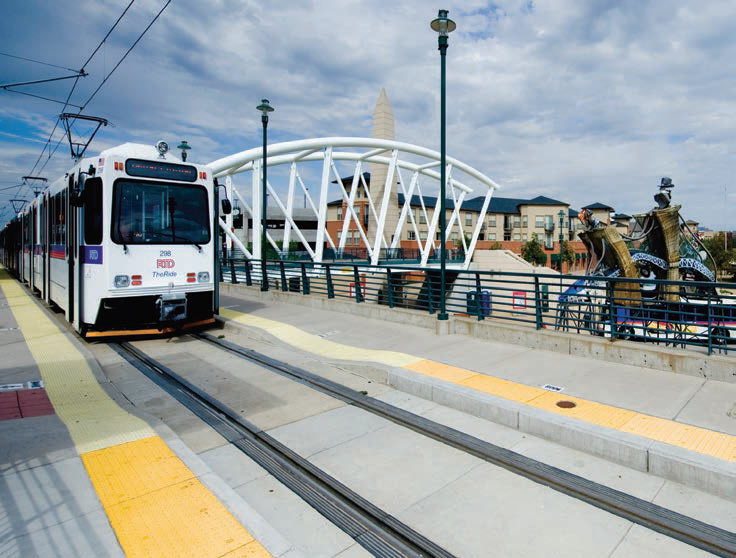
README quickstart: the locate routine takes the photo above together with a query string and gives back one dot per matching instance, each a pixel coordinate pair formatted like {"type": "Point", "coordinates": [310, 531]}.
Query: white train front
{"type": "Point", "coordinates": [125, 242]}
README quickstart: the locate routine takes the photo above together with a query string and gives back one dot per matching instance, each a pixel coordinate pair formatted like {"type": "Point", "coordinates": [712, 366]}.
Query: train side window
{"type": "Point", "coordinates": [93, 211]}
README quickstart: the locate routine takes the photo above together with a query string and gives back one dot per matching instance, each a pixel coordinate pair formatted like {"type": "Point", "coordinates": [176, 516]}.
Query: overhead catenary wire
{"type": "Point", "coordinates": [89, 99]}
{"type": "Point", "coordinates": [65, 103]}
{"type": "Point", "coordinates": [37, 61]}
{"type": "Point", "coordinates": [71, 92]}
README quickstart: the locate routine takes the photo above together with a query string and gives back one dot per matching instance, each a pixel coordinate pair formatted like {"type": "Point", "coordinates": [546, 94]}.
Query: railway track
{"type": "Point", "coordinates": [375, 530]}
{"type": "Point", "coordinates": [657, 518]}
{"type": "Point", "coordinates": [681, 527]}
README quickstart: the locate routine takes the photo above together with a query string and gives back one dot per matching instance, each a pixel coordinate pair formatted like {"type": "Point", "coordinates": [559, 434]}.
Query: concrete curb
{"type": "Point", "coordinates": [678, 361]}
{"type": "Point", "coordinates": [686, 467]}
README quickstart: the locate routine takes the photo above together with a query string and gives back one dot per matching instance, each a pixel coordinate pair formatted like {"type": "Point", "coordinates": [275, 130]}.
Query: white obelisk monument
{"type": "Point", "coordinates": [383, 128]}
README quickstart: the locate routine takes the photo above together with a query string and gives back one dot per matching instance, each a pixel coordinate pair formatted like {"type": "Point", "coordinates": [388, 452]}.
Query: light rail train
{"type": "Point", "coordinates": [123, 243]}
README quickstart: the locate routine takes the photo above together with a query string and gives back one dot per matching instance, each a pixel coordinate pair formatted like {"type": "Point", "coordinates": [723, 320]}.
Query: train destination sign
{"type": "Point", "coordinates": [157, 169]}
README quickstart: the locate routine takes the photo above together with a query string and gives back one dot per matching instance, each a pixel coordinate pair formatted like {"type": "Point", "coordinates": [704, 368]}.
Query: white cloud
{"type": "Point", "coordinates": [589, 101]}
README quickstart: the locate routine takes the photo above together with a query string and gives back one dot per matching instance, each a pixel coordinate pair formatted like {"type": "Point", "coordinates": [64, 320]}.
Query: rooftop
{"type": "Point", "coordinates": [598, 205]}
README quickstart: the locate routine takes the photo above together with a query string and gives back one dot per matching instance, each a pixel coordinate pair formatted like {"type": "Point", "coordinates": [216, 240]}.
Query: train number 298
{"type": "Point", "coordinates": [164, 253]}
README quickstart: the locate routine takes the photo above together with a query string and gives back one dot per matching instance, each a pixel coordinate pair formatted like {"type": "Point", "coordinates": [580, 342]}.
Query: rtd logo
{"type": "Point", "coordinates": [164, 264]}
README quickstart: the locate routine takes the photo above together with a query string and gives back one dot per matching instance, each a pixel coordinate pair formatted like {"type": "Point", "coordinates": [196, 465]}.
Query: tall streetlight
{"type": "Point", "coordinates": [562, 222]}
{"type": "Point", "coordinates": [265, 108]}
{"type": "Point", "coordinates": [444, 26]}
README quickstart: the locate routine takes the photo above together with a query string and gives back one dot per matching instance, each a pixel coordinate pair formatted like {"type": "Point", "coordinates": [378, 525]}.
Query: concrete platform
{"type": "Point", "coordinates": [679, 426]}
{"type": "Point", "coordinates": [98, 476]}
{"type": "Point", "coordinates": [462, 503]}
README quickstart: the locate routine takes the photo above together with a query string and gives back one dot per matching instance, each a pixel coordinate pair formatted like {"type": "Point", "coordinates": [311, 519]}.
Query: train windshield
{"type": "Point", "coordinates": [154, 213]}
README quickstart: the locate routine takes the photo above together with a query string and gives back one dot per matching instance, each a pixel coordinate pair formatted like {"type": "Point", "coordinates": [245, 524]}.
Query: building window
{"type": "Point", "coordinates": [525, 221]}
{"type": "Point", "coordinates": [422, 218]}
{"type": "Point", "coordinates": [410, 235]}
{"type": "Point", "coordinates": [548, 242]}
{"type": "Point", "coordinates": [517, 236]}
{"type": "Point", "coordinates": [339, 213]}
{"type": "Point", "coordinates": [454, 236]}
{"type": "Point", "coordinates": [356, 237]}
{"type": "Point", "coordinates": [517, 221]}
{"type": "Point", "coordinates": [507, 236]}
{"type": "Point", "coordinates": [423, 235]}
{"type": "Point", "coordinates": [492, 221]}
{"type": "Point", "coordinates": [437, 236]}
{"type": "Point", "coordinates": [491, 236]}
{"type": "Point", "coordinates": [468, 218]}
{"type": "Point", "coordinates": [539, 221]}
{"type": "Point", "coordinates": [523, 237]}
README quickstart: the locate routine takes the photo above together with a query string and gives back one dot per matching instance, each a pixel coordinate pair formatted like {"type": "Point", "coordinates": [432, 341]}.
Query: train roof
{"type": "Point", "coordinates": [139, 151]}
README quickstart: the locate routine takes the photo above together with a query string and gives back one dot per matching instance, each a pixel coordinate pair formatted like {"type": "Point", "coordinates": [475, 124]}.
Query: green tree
{"type": "Point", "coordinates": [532, 251]}
{"type": "Point", "coordinates": [495, 246]}
{"type": "Point", "coordinates": [722, 255]}
{"type": "Point", "coordinates": [568, 254]}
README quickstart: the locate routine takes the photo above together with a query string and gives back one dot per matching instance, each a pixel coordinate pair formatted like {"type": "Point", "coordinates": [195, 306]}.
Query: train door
{"type": "Point", "coordinates": [46, 235]}
{"type": "Point", "coordinates": [74, 228]}
{"type": "Point", "coordinates": [71, 229]}
{"type": "Point", "coordinates": [32, 251]}
{"type": "Point", "coordinates": [43, 228]}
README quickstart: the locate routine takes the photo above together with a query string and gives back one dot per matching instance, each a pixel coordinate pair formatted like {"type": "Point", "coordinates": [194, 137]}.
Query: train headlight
{"type": "Point", "coordinates": [121, 281]}
{"type": "Point", "coordinates": [203, 276]}
{"type": "Point", "coordinates": [162, 147]}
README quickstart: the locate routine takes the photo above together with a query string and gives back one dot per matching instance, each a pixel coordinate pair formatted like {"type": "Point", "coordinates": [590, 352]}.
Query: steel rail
{"type": "Point", "coordinates": [657, 518]}
{"type": "Point", "coordinates": [378, 532]}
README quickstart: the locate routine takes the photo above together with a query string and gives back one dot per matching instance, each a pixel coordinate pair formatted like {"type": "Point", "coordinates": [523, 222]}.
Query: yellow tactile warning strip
{"type": "Point", "coordinates": [154, 502]}
{"type": "Point", "coordinates": [694, 438]}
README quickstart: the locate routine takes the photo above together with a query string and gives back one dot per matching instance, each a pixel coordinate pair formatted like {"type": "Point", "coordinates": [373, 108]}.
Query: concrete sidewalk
{"type": "Point", "coordinates": [85, 473]}
{"type": "Point", "coordinates": [679, 399]}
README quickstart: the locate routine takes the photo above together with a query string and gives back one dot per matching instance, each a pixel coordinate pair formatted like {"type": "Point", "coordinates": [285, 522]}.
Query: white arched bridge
{"type": "Point", "coordinates": [410, 170]}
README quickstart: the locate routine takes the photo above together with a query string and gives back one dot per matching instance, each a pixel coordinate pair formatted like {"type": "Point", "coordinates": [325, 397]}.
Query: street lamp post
{"type": "Point", "coordinates": [265, 108]}
{"type": "Point", "coordinates": [443, 26]}
{"type": "Point", "coordinates": [562, 215]}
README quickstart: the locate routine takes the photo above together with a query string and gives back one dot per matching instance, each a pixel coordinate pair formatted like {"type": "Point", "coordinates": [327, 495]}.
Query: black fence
{"type": "Point", "coordinates": [672, 313]}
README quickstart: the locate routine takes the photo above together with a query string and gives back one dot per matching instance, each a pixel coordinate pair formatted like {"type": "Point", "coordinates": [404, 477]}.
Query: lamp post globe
{"type": "Point", "coordinates": [184, 147]}
{"type": "Point", "coordinates": [265, 108]}
{"type": "Point", "coordinates": [443, 26]}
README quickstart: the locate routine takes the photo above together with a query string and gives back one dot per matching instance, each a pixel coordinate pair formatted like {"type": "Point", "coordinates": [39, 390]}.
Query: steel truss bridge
{"type": "Point", "coordinates": [411, 171]}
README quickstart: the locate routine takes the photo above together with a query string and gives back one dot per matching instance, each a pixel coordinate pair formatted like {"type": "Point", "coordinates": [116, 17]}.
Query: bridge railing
{"type": "Point", "coordinates": [672, 313]}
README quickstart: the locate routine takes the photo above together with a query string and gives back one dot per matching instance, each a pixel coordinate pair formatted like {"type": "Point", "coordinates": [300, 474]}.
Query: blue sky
{"type": "Point", "coordinates": [581, 101]}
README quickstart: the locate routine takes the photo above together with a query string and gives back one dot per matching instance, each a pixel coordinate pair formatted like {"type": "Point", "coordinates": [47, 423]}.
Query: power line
{"type": "Point", "coordinates": [41, 97]}
{"type": "Point", "coordinates": [81, 73]}
{"type": "Point", "coordinates": [74, 85]}
{"type": "Point", "coordinates": [114, 25]}
{"type": "Point", "coordinates": [37, 61]}
{"type": "Point", "coordinates": [127, 52]}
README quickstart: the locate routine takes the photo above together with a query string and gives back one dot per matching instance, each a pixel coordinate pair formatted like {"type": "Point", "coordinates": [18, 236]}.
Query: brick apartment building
{"type": "Point", "coordinates": [509, 223]}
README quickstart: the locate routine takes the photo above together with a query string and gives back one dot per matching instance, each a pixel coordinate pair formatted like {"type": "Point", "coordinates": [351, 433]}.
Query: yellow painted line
{"type": "Point", "coordinates": [153, 501]}
{"type": "Point", "coordinates": [440, 371]}
{"type": "Point", "coordinates": [502, 388]}
{"type": "Point", "coordinates": [315, 344]}
{"type": "Point", "coordinates": [151, 525]}
{"type": "Point", "coordinates": [588, 411]}
{"type": "Point", "coordinates": [93, 419]}
{"type": "Point", "coordinates": [716, 444]}
{"type": "Point", "coordinates": [693, 438]}
{"type": "Point", "coordinates": [126, 471]}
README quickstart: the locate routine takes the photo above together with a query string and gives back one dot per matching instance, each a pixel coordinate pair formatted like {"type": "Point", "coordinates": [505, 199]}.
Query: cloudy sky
{"type": "Point", "coordinates": [581, 101]}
